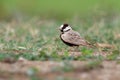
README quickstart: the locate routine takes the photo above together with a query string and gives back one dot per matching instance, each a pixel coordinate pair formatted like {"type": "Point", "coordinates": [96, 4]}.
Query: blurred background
{"type": "Point", "coordinates": [59, 9]}
{"type": "Point", "coordinates": [29, 32]}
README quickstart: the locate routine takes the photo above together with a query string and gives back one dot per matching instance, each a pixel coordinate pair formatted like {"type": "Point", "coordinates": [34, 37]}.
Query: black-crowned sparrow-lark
{"type": "Point", "coordinates": [71, 37]}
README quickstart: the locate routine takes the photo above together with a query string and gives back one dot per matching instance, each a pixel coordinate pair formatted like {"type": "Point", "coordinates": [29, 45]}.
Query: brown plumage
{"type": "Point", "coordinates": [71, 37]}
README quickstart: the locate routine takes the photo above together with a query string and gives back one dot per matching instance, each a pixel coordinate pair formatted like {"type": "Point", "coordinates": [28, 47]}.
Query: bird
{"type": "Point", "coordinates": [71, 37]}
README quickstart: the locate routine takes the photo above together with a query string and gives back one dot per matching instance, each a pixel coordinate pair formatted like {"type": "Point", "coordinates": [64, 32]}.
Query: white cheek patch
{"type": "Point", "coordinates": [67, 28]}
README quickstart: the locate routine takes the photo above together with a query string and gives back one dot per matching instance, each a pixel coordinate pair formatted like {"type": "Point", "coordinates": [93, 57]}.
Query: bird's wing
{"type": "Point", "coordinates": [74, 38]}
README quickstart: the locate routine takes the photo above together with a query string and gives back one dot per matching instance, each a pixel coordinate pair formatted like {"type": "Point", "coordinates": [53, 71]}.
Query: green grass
{"type": "Point", "coordinates": [39, 40]}
{"type": "Point", "coordinates": [61, 10]}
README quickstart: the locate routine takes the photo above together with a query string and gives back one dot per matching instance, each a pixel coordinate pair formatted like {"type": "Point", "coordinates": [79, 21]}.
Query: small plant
{"type": "Point", "coordinates": [66, 67]}
{"type": "Point", "coordinates": [114, 55]}
{"type": "Point", "coordinates": [93, 65]}
{"type": "Point", "coordinates": [32, 73]}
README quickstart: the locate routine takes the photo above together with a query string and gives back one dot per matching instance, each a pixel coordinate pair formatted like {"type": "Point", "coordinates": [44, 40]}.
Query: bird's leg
{"type": "Point", "coordinates": [76, 49]}
{"type": "Point", "coordinates": [71, 49]}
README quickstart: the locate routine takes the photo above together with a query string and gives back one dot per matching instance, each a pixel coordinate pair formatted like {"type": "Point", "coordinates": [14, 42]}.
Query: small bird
{"type": "Point", "coordinates": [71, 37]}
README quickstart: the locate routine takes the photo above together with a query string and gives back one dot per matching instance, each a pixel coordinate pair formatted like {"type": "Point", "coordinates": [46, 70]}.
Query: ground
{"type": "Point", "coordinates": [40, 70]}
{"type": "Point", "coordinates": [32, 50]}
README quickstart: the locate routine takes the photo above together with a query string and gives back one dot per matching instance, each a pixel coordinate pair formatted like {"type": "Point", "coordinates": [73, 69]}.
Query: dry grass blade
{"type": "Point", "coordinates": [104, 45]}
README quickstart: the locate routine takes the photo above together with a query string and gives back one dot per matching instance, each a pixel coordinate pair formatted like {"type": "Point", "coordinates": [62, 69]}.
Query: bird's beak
{"type": "Point", "coordinates": [60, 29]}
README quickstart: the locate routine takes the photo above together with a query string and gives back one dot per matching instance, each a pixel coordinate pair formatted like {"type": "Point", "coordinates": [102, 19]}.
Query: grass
{"type": "Point", "coordinates": [61, 10]}
{"type": "Point", "coordinates": [39, 40]}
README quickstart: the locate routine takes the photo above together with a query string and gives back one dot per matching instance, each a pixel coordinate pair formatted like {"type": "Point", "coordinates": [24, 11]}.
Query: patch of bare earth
{"type": "Point", "coordinates": [24, 70]}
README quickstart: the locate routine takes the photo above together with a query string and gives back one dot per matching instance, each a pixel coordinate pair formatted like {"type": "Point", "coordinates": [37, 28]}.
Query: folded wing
{"type": "Point", "coordinates": [74, 38]}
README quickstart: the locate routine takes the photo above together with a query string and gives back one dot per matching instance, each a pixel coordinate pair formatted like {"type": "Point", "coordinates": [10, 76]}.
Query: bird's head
{"type": "Point", "coordinates": [65, 28]}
